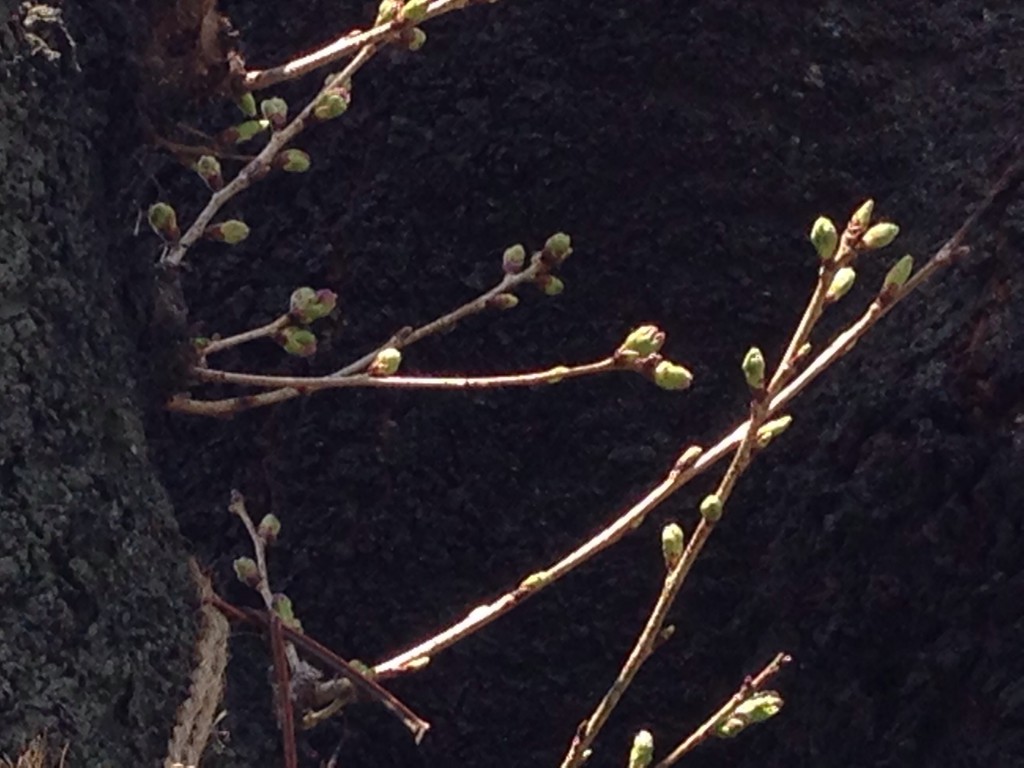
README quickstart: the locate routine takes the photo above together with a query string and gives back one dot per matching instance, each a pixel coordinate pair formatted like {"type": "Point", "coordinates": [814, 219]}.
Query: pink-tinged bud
{"type": "Point", "coordinates": [208, 168]}
{"type": "Point", "coordinates": [299, 342]}
{"type": "Point", "coordinates": [275, 110]}
{"type": "Point", "coordinates": [232, 232]}
{"type": "Point", "coordinates": [269, 529]}
{"type": "Point", "coordinates": [558, 247]}
{"type": "Point", "coordinates": [308, 305]}
{"type": "Point", "coordinates": [513, 259]}
{"type": "Point", "coordinates": [164, 221]}
{"type": "Point", "coordinates": [386, 362]}
{"type": "Point", "coordinates": [292, 161]}
{"type": "Point", "coordinates": [247, 571]}
{"type": "Point", "coordinates": [331, 105]}
{"type": "Point", "coordinates": [503, 301]}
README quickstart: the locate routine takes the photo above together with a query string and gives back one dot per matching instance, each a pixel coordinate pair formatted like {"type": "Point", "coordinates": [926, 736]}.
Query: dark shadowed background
{"type": "Point", "coordinates": [686, 147]}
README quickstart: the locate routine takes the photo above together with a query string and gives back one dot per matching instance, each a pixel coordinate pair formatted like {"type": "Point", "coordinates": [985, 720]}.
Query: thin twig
{"type": "Point", "coordinates": [750, 685]}
{"type": "Point", "coordinates": [483, 615]}
{"type": "Point", "coordinates": [264, 331]}
{"type": "Point", "coordinates": [259, 79]}
{"type": "Point", "coordinates": [285, 710]}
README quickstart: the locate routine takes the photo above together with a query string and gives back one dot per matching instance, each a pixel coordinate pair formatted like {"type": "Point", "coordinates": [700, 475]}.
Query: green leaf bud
{"type": "Point", "coordinates": [386, 362]}
{"type": "Point", "coordinates": [642, 752]}
{"type": "Point", "coordinates": [414, 38]}
{"type": "Point", "coordinates": [711, 508]}
{"type": "Point", "coordinates": [862, 216]}
{"type": "Point", "coordinates": [503, 301]}
{"type": "Point", "coordinates": [164, 221]}
{"type": "Point", "coordinates": [824, 237]}
{"type": "Point", "coordinates": [415, 11]}
{"type": "Point", "coordinates": [513, 259]}
{"type": "Point", "coordinates": [209, 170]}
{"type": "Point", "coordinates": [307, 305]}
{"type": "Point", "coordinates": [331, 105]}
{"type": "Point", "coordinates": [672, 376]}
{"type": "Point", "coordinates": [756, 709]}
{"type": "Point", "coordinates": [269, 529]}
{"type": "Point", "coordinates": [247, 103]}
{"type": "Point", "coordinates": [772, 429]}
{"type": "Point", "coordinates": [275, 110]}
{"type": "Point", "coordinates": [292, 161]}
{"type": "Point", "coordinates": [558, 246]}
{"type": "Point", "coordinates": [672, 545]}
{"type": "Point", "coordinates": [232, 232]}
{"type": "Point", "coordinates": [281, 604]}
{"type": "Point", "coordinates": [243, 132]}
{"type": "Point", "coordinates": [753, 368]}
{"type": "Point", "coordinates": [842, 282]}
{"type": "Point", "coordinates": [247, 571]}
{"type": "Point", "coordinates": [644, 340]}
{"type": "Point", "coordinates": [296, 341]}
{"type": "Point", "coordinates": [551, 285]}
{"type": "Point", "coordinates": [387, 11]}
{"type": "Point", "coordinates": [898, 275]}
{"type": "Point", "coordinates": [880, 235]}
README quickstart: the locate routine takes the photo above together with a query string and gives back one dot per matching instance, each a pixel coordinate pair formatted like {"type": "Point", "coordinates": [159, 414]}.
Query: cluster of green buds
{"type": "Point", "coordinates": [641, 352]}
{"type": "Point", "coordinates": [232, 232]}
{"type": "Point", "coordinates": [757, 708]}
{"type": "Point", "coordinates": [861, 235]}
{"type": "Point", "coordinates": [332, 102]}
{"type": "Point", "coordinates": [308, 305]}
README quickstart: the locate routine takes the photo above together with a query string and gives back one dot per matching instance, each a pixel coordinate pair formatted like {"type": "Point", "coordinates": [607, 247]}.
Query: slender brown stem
{"type": "Point", "coordinates": [264, 331]}
{"type": "Point", "coordinates": [259, 79]}
{"type": "Point", "coordinates": [282, 678]}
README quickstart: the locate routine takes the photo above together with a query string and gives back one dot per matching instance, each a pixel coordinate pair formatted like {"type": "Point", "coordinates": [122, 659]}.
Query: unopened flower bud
{"type": "Point", "coordinates": [711, 508]}
{"type": "Point", "coordinates": [862, 216]}
{"type": "Point", "coordinates": [387, 11]}
{"type": "Point", "coordinates": [644, 340]}
{"type": "Point", "coordinates": [164, 221]}
{"type": "Point", "coordinates": [513, 259]}
{"type": "Point", "coordinates": [753, 368]}
{"type": "Point", "coordinates": [414, 11]}
{"type": "Point", "coordinates": [551, 285]}
{"type": "Point", "coordinates": [880, 235]}
{"type": "Point", "coordinates": [772, 429]}
{"type": "Point", "coordinates": [558, 246]}
{"type": "Point", "coordinates": [898, 275]}
{"type": "Point", "coordinates": [308, 305]}
{"type": "Point", "coordinates": [672, 376]}
{"type": "Point", "coordinates": [824, 237]}
{"type": "Point", "coordinates": [292, 161]}
{"type": "Point", "coordinates": [386, 362]}
{"type": "Point", "coordinates": [247, 103]}
{"type": "Point", "coordinates": [642, 752]}
{"type": "Point", "coordinates": [671, 545]}
{"type": "Point", "coordinates": [281, 604]}
{"type": "Point", "coordinates": [331, 105]}
{"type": "Point", "coordinates": [243, 132]}
{"type": "Point", "coordinates": [275, 110]}
{"type": "Point", "coordinates": [232, 232]}
{"type": "Point", "coordinates": [269, 529]}
{"type": "Point", "coordinates": [414, 38]}
{"type": "Point", "coordinates": [503, 301]}
{"type": "Point", "coordinates": [757, 708]}
{"type": "Point", "coordinates": [247, 571]}
{"type": "Point", "coordinates": [841, 284]}
{"type": "Point", "coordinates": [209, 170]}
{"type": "Point", "coordinates": [296, 341]}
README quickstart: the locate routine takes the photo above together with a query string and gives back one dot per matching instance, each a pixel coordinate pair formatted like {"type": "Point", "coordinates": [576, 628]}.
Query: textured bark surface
{"type": "Point", "coordinates": [96, 627]}
{"type": "Point", "coordinates": [686, 147]}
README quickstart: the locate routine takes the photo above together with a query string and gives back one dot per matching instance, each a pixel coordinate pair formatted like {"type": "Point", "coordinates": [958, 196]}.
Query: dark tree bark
{"type": "Point", "coordinates": [686, 146]}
